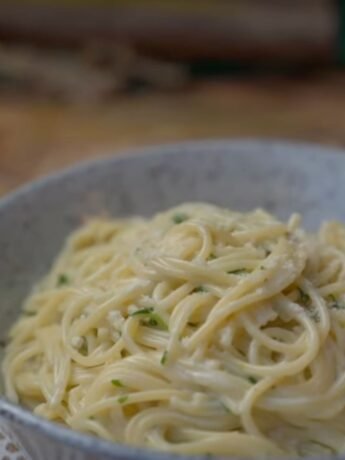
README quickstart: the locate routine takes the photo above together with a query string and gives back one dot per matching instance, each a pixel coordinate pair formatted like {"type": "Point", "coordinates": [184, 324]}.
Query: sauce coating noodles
{"type": "Point", "coordinates": [198, 331]}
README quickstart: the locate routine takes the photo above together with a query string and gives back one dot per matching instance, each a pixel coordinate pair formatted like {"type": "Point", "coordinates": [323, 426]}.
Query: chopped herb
{"type": "Point", "coordinates": [152, 318]}
{"type": "Point", "coordinates": [252, 380]}
{"type": "Point", "coordinates": [152, 322]}
{"type": "Point", "coordinates": [157, 321]}
{"type": "Point", "coordinates": [143, 311]}
{"type": "Point", "coordinates": [30, 313]}
{"type": "Point", "coordinates": [212, 256]}
{"type": "Point", "coordinates": [262, 267]}
{"type": "Point", "coordinates": [199, 289]}
{"type": "Point", "coordinates": [83, 350]}
{"type": "Point", "coordinates": [304, 297]}
{"type": "Point", "coordinates": [335, 303]}
{"type": "Point", "coordinates": [180, 217]}
{"type": "Point", "coordinates": [122, 399]}
{"type": "Point", "coordinates": [164, 358]}
{"type": "Point", "coordinates": [62, 279]}
{"type": "Point", "coordinates": [191, 324]}
{"type": "Point", "coordinates": [267, 252]}
{"type": "Point", "coordinates": [117, 383]}
{"type": "Point", "coordinates": [92, 417]}
{"type": "Point", "coordinates": [239, 271]}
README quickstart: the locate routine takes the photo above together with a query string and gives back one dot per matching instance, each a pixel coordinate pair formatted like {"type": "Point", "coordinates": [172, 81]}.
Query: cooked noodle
{"type": "Point", "coordinates": [198, 331]}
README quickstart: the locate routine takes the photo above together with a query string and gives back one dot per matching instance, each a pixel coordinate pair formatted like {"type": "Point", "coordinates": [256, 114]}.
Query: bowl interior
{"type": "Point", "coordinates": [282, 178]}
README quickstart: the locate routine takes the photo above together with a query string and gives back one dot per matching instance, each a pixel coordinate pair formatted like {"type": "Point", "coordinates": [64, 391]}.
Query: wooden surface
{"type": "Point", "coordinates": [38, 137]}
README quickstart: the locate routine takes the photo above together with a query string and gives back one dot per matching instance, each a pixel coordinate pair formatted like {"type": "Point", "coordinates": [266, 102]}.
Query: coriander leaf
{"type": "Point", "coordinates": [157, 321]}
{"type": "Point", "coordinates": [304, 297]}
{"type": "Point", "coordinates": [164, 358]}
{"type": "Point", "coordinates": [239, 271]}
{"type": "Point", "coordinates": [117, 383]}
{"type": "Point", "coordinates": [199, 289]}
{"type": "Point", "coordinates": [151, 318]}
{"type": "Point", "coordinates": [62, 279]}
{"type": "Point", "coordinates": [142, 312]}
{"type": "Point", "coordinates": [179, 218]}
{"type": "Point", "coordinates": [252, 380]}
{"type": "Point", "coordinates": [122, 399]}
{"type": "Point", "coordinates": [191, 324]}
{"type": "Point", "coordinates": [152, 322]}
{"type": "Point", "coordinates": [335, 303]}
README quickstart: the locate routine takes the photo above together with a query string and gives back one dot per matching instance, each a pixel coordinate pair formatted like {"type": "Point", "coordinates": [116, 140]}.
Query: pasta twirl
{"type": "Point", "coordinates": [200, 330]}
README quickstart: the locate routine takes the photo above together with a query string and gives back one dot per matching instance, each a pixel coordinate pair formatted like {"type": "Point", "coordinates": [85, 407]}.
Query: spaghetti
{"type": "Point", "coordinates": [197, 331]}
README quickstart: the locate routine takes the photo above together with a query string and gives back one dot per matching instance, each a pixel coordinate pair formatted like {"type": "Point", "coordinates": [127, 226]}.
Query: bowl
{"type": "Point", "coordinates": [34, 221]}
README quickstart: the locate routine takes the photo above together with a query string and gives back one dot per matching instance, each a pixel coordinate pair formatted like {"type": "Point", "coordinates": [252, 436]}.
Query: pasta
{"type": "Point", "coordinates": [198, 331]}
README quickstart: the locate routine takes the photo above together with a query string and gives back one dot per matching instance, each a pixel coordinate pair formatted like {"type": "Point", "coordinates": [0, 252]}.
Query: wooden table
{"type": "Point", "coordinates": [37, 137]}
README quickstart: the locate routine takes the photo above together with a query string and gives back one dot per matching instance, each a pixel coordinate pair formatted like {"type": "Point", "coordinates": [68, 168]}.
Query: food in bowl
{"type": "Point", "coordinates": [200, 330]}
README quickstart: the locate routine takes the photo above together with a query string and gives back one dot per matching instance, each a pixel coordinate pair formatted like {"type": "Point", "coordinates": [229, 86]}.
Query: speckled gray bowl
{"type": "Point", "coordinates": [34, 221]}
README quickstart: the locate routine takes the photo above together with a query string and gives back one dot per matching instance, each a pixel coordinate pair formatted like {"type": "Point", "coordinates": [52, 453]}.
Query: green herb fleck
{"type": "Point", "coordinates": [152, 319]}
{"type": "Point", "coordinates": [152, 322]}
{"type": "Point", "coordinates": [267, 252]}
{"type": "Point", "coordinates": [62, 279]}
{"type": "Point", "coordinates": [157, 321]}
{"type": "Point", "coordinates": [142, 312]}
{"type": "Point", "coordinates": [30, 313]}
{"type": "Point", "coordinates": [122, 399]}
{"type": "Point", "coordinates": [304, 297]}
{"type": "Point", "coordinates": [180, 217]}
{"type": "Point", "coordinates": [239, 271]}
{"type": "Point", "coordinates": [117, 383]}
{"type": "Point", "coordinates": [164, 358]}
{"type": "Point", "coordinates": [199, 289]}
{"type": "Point", "coordinates": [83, 350]}
{"type": "Point", "coordinates": [335, 303]}
{"type": "Point", "coordinates": [252, 380]}
{"type": "Point", "coordinates": [91, 417]}
{"type": "Point", "coordinates": [212, 256]}
{"type": "Point", "coordinates": [191, 324]}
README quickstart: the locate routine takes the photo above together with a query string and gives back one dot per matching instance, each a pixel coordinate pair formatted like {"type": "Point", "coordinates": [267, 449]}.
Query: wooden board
{"type": "Point", "coordinates": [38, 137]}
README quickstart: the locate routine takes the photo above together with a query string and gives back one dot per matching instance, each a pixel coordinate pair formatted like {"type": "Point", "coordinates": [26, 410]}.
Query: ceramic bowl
{"type": "Point", "coordinates": [242, 175]}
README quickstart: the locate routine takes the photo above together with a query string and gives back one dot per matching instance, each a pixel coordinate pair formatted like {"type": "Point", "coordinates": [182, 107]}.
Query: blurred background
{"type": "Point", "coordinates": [80, 79]}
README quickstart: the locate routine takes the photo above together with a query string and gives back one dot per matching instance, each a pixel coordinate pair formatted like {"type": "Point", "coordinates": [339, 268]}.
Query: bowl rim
{"type": "Point", "coordinates": [88, 443]}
